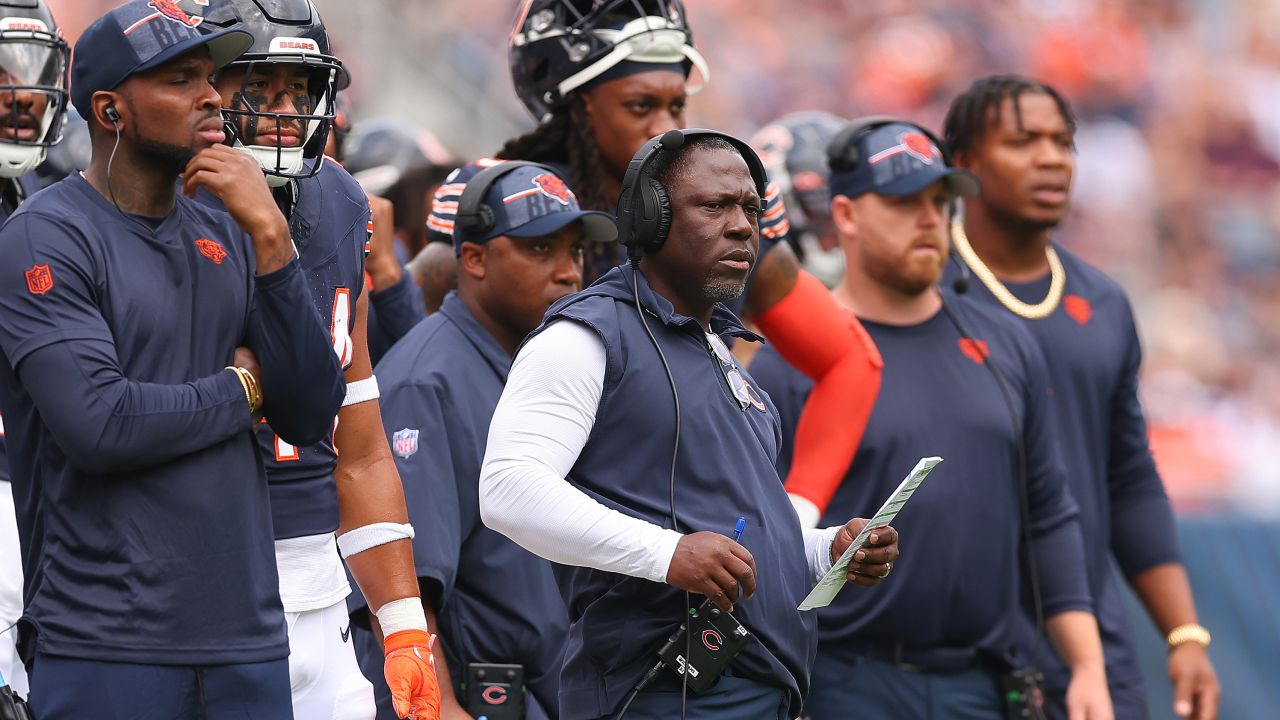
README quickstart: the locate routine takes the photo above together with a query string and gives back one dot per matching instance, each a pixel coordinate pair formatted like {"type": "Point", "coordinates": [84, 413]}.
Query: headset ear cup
{"type": "Point", "coordinates": [657, 215]}
{"type": "Point", "coordinates": [487, 219]}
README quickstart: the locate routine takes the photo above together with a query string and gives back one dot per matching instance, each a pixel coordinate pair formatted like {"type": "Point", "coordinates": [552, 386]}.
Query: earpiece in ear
{"type": "Point", "coordinates": [112, 114]}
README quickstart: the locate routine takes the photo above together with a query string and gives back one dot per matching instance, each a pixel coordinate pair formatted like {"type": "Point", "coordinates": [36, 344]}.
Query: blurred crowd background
{"type": "Point", "coordinates": [1177, 193]}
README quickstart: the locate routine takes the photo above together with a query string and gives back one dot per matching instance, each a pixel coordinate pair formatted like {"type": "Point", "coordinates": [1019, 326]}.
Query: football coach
{"type": "Point", "coordinates": [628, 442]}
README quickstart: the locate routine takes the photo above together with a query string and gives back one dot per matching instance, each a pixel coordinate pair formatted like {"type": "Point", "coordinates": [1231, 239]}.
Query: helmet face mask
{"type": "Point", "coordinates": [281, 141]}
{"type": "Point", "coordinates": [33, 86]}
{"type": "Point", "coordinates": [289, 41]}
{"type": "Point", "coordinates": [558, 46]}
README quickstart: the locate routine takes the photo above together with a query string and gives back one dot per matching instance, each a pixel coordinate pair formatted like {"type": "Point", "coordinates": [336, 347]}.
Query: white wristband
{"type": "Point", "coordinates": [371, 536]}
{"type": "Point", "coordinates": [361, 391]}
{"type": "Point", "coordinates": [402, 614]}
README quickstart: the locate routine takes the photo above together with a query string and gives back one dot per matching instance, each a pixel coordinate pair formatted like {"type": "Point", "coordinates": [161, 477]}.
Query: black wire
{"type": "Point", "coordinates": [204, 708]}
{"type": "Point", "coordinates": [675, 450]}
{"type": "Point", "coordinates": [112, 191]}
{"type": "Point", "coordinates": [1024, 503]}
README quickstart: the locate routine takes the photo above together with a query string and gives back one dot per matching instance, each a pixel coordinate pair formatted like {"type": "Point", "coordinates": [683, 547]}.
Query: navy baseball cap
{"type": "Point", "coordinates": [528, 201]}
{"type": "Point", "coordinates": [141, 35]}
{"type": "Point", "coordinates": [895, 158]}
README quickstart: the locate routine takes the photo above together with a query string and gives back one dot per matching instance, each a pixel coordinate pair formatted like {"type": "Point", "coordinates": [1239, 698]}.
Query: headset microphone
{"type": "Point", "coordinates": [672, 139]}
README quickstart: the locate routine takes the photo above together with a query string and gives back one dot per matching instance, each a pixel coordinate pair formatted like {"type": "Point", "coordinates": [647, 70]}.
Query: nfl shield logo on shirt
{"type": "Point", "coordinates": [405, 442]}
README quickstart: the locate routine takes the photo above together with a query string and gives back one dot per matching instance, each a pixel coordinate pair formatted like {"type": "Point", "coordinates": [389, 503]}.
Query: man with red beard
{"type": "Point", "coordinates": [968, 386]}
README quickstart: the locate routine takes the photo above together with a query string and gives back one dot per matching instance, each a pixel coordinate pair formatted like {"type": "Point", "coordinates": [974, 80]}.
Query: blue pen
{"type": "Point", "coordinates": [737, 529]}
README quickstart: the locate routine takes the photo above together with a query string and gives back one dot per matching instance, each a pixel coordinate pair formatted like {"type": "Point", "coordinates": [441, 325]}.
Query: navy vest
{"type": "Point", "coordinates": [724, 470]}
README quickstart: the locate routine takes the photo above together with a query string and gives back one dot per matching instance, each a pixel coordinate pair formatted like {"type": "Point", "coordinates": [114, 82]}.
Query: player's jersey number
{"type": "Point", "coordinates": [340, 331]}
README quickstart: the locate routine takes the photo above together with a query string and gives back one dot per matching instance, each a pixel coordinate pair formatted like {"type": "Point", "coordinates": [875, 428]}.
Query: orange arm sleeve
{"type": "Point", "coordinates": [828, 344]}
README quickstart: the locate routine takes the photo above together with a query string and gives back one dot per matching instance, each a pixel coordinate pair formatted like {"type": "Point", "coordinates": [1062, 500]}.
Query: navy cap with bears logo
{"type": "Point", "coordinates": [142, 35]}
{"type": "Point", "coordinates": [897, 159]}
{"type": "Point", "coordinates": [528, 201]}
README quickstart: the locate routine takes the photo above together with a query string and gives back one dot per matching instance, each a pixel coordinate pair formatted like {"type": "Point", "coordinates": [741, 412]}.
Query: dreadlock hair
{"type": "Point", "coordinates": [566, 137]}
{"type": "Point", "coordinates": [975, 110]}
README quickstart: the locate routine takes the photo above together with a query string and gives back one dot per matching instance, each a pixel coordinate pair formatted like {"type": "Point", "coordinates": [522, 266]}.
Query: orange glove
{"type": "Point", "coordinates": [410, 670]}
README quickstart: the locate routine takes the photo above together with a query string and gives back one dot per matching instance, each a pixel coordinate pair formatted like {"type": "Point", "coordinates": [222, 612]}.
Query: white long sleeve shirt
{"type": "Point", "coordinates": [539, 428]}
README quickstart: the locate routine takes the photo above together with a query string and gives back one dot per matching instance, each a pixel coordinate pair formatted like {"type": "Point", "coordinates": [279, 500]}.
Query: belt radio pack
{"type": "Point", "coordinates": [493, 691]}
{"type": "Point", "coordinates": [1023, 698]}
{"type": "Point", "coordinates": [11, 707]}
{"type": "Point", "coordinates": [713, 638]}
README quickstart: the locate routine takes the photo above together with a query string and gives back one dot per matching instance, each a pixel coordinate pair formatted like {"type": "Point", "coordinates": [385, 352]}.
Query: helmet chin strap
{"type": "Point", "coordinates": [278, 162]}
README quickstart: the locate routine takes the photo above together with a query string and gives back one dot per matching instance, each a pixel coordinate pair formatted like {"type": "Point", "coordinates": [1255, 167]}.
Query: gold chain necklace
{"type": "Point", "coordinates": [1039, 311]}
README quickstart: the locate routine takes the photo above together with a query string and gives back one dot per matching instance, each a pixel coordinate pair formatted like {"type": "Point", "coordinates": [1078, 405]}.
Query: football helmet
{"type": "Point", "coordinates": [378, 153]}
{"type": "Point", "coordinates": [558, 46]}
{"type": "Point", "coordinates": [794, 149]}
{"type": "Point", "coordinates": [33, 85]}
{"type": "Point", "coordinates": [285, 32]}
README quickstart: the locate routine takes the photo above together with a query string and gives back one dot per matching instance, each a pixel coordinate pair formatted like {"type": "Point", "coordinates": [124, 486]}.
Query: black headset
{"type": "Point", "coordinates": [644, 210]}
{"type": "Point", "coordinates": [842, 151]}
{"type": "Point", "coordinates": [474, 216]}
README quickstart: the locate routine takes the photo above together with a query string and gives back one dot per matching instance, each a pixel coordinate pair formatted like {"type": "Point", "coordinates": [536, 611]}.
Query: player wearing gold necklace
{"type": "Point", "coordinates": [1017, 136]}
{"type": "Point", "coordinates": [1038, 311]}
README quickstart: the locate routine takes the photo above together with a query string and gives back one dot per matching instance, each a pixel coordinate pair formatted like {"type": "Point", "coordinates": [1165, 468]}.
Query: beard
{"type": "Point", "coordinates": [721, 289]}
{"type": "Point", "coordinates": [173, 158]}
{"type": "Point", "coordinates": [895, 273]}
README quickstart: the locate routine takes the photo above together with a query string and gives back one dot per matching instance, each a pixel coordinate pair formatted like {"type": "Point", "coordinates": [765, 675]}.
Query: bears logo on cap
{"type": "Point", "coordinates": [553, 187]}
{"type": "Point", "coordinates": [912, 143]}
{"type": "Point", "coordinates": [170, 9]}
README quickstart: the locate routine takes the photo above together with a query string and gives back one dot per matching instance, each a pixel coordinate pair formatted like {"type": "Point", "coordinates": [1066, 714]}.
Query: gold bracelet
{"type": "Point", "coordinates": [245, 378]}
{"type": "Point", "coordinates": [1191, 632]}
{"type": "Point", "coordinates": [255, 393]}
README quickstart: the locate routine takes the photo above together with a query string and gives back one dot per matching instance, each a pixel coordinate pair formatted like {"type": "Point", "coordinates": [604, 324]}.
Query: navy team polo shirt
{"type": "Point", "coordinates": [724, 470]}
{"type": "Point", "coordinates": [938, 398]}
{"type": "Point", "coordinates": [164, 556]}
{"type": "Point", "coordinates": [1092, 349]}
{"type": "Point", "coordinates": [329, 225]}
{"type": "Point", "coordinates": [497, 602]}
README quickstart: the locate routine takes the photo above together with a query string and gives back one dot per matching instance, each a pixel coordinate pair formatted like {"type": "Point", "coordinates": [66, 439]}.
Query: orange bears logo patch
{"type": "Point", "coordinates": [1078, 309]}
{"type": "Point", "coordinates": [39, 279]}
{"type": "Point", "coordinates": [975, 350]}
{"type": "Point", "coordinates": [211, 250]}
{"type": "Point", "coordinates": [553, 187]}
{"type": "Point", "coordinates": [171, 10]}
{"type": "Point", "coordinates": [917, 144]}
